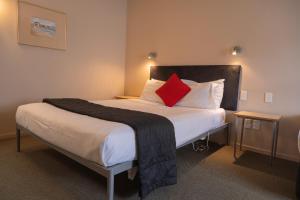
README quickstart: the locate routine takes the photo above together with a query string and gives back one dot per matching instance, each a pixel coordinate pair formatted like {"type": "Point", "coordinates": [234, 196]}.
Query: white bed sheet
{"type": "Point", "coordinates": [105, 142]}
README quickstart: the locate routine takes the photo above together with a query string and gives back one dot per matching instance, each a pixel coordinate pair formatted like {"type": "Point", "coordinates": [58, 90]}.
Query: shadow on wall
{"type": "Point", "coordinates": [7, 116]}
{"type": "Point", "coordinates": [289, 129]}
{"type": "Point", "coordinates": [7, 120]}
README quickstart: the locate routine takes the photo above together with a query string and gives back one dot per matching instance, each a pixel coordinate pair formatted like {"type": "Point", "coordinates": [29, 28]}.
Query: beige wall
{"type": "Point", "coordinates": [203, 31]}
{"type": "Point", "coordinates": [92, 67]}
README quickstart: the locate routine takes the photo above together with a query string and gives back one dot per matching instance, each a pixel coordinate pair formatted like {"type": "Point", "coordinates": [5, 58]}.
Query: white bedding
{"type": "Point", "coordinates": [106, 142]}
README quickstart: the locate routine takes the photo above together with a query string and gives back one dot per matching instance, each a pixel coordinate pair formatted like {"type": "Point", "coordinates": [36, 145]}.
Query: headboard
{"type": "Point", "coordinates": [205, 73]}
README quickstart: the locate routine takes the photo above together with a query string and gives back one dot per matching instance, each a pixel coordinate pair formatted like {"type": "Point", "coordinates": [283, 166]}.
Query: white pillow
{"type": "Point", "coordinates": [189, 82]}
{"type": "Point", "coordinates": [218, 91]}
{"type": "Point", "coordinates": [152, 85]}
{"type": "Point", "coordinates": [206, 95]}
{"type": "Point", "coordinates": [198, 97]}
{"type": "Point", "coordinates": [149, 93]}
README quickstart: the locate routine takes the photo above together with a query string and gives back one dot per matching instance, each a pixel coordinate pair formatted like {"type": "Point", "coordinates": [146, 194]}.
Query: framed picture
{"type": "Point", "coordinates": [42, 27]}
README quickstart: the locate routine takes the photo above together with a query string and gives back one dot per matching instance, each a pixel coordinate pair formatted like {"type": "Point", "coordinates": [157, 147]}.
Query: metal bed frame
{"type": "Point", "coordinates": [110, 172]}
{"type": "Point", "coordinates": [198, 73]}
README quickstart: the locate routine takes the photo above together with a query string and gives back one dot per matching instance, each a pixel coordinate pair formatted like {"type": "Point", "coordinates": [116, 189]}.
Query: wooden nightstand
{"type": "Point", "coordinates": [262, 117]}
{"type": "Point", "coordinates": [126, 97]}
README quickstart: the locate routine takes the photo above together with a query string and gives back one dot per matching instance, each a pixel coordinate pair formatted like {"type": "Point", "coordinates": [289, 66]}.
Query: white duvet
{"type": "Point", "coordinates": [105, 142]}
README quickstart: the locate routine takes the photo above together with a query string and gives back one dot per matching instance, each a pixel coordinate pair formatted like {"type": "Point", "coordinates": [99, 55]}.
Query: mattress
{"type": "Point", "coordinates": [108, 143]}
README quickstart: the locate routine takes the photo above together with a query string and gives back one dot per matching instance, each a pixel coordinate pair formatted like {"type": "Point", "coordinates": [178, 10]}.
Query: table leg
{"type": "Point", "coordinates": [236, 138]}
{"type": "Point", "coordinates": [276, 139]}
{"type": "Point", "coordinates": [273, 141]}
{"type": "Point", "coordinates": [242, 134]}
{"type": "Point", "coordinates": [18, 139]}
{"type": "Point", "coordinates": [228, 133]}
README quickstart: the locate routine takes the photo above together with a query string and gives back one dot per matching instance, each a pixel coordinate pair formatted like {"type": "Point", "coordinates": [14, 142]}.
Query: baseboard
{"type": "Point", "coordinates": [6, 136]}
{"type": "Point", "coordinates": [284, 156]}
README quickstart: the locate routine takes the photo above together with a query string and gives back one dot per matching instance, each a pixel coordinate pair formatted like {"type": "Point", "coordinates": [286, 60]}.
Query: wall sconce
{"type": "Point", "coordinates": [236, 50]}
{"type": "Point", "coordinates": [152, 56]}
{"type": "Point", "coordinates": [151, 59]}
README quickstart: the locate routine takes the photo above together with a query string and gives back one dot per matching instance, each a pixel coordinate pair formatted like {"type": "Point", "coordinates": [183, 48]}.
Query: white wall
{"type": "Point", "coordinates": [92, 67]}
{"type": "Point", "coordinates": [203, 31]}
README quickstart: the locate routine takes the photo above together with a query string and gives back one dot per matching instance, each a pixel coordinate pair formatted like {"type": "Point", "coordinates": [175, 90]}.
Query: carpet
{"type": "Point", "coordinates": [40, 173]}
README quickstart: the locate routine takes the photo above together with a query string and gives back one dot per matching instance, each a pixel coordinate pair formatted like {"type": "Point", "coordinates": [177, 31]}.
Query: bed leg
{"type": "Point", "coordinates": [228, 132]}
{"type": "Point", "coordinates": [207, 142]}
{"type": "Point", "coordinates": [18, 137]}
{"type": "Point", "coordinates": [110, 186]}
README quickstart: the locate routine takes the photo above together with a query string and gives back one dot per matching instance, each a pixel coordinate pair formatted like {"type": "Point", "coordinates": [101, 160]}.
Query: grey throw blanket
{"type": "Point", "coordinates": [155, 139]}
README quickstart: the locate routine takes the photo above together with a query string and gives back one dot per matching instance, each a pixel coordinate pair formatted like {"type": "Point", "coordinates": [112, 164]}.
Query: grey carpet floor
{"type": "Point", "coordinates": [39, 173]}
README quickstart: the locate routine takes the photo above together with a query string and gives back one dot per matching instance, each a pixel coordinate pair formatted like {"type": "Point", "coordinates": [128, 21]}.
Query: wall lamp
{"type": "Point", "coordinates": [152, 56]}
{"type": "Point", "coordinates": [236, 50]}
{"type": "Point", "coordinates": [151, 59]}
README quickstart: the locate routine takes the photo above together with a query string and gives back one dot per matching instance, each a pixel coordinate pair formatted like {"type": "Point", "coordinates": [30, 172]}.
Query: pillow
{"type": "Point", "coordinates": [199, 97]}
{"type": "Point", "coordinates": [173, 90]}
{"type": "Point", "coordinates": [150, 87]}
{"type": "Point", "coordinates": [218, 92]}
{"type": "Point", "coordinates": [189, 82]}
{"type": "Point", "coordinates": [206, 95]}
{"type": "Point", "coordinates": [195, 98]}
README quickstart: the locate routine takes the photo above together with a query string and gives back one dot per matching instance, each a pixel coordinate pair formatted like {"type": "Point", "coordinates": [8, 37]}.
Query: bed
{"type": "Point", "coordinates": [96, 143]}
{"type": "Point", "coordinates": [100, 141]}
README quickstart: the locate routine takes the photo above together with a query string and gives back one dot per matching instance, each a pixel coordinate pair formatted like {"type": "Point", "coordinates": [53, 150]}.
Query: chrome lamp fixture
{"type": "Point", "coordinates": [152, 56]}
{"type": "Point", "coordinates": [236, 50]}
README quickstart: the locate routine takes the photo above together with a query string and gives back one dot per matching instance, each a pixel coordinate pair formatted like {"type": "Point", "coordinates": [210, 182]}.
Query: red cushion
{"type": "Point", "coordinates": [173, 90]}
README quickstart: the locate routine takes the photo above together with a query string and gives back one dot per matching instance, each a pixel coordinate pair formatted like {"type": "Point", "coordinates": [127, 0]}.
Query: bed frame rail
{"type": "Point", "coordinates": [107, 172]}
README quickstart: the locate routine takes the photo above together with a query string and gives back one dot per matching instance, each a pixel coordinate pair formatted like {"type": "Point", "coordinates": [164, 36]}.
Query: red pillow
{"type": "Point", "coordinates": [173, 90]}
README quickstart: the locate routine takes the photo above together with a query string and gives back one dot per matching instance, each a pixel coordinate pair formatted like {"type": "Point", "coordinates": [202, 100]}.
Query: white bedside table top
{"type": "Point", "coordinates": [258, 116]}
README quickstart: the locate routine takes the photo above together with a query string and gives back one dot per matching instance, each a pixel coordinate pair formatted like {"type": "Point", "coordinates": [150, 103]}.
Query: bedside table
{"type": "Point", "coordinates": [262, 117]}
{"type": "Point", "coordinates": [126, 97]}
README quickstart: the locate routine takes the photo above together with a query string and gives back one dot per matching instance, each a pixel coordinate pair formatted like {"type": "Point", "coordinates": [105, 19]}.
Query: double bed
{"type": "Point", "coordinates": [109, 143]}
{"type": "Point", "coordinates": [109, 148]}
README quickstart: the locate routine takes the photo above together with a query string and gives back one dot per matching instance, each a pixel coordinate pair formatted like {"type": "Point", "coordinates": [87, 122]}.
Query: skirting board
{"type": "Point", "coordinates": [6, 136]}
{"type": "Point", "coordinates": [284, 156]}
{"type": "Point", "coordinates": [10, 135]}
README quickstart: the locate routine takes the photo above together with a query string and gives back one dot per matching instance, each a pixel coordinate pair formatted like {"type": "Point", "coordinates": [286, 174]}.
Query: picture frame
{"type": "Point", "coordinates": [41, 27]}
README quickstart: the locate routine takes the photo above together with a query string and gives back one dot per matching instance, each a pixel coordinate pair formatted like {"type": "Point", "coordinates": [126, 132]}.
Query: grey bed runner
{"type": "Point", "coordinates": [155, 139]}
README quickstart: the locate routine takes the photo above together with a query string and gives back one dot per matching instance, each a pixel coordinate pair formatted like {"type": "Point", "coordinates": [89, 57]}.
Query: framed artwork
{"type": "Point", "coordinates": [42, 27]}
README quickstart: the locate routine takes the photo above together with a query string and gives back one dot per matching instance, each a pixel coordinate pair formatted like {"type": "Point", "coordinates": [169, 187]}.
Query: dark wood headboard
{"type": "Point", "coordinates": [205, 73]}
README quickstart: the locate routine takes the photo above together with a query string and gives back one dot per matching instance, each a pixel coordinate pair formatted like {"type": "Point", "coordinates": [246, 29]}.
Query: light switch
{"type": "Point", "coordinates": [244, 95]}
{"type": "Point", "coordinates": [268, 97]}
